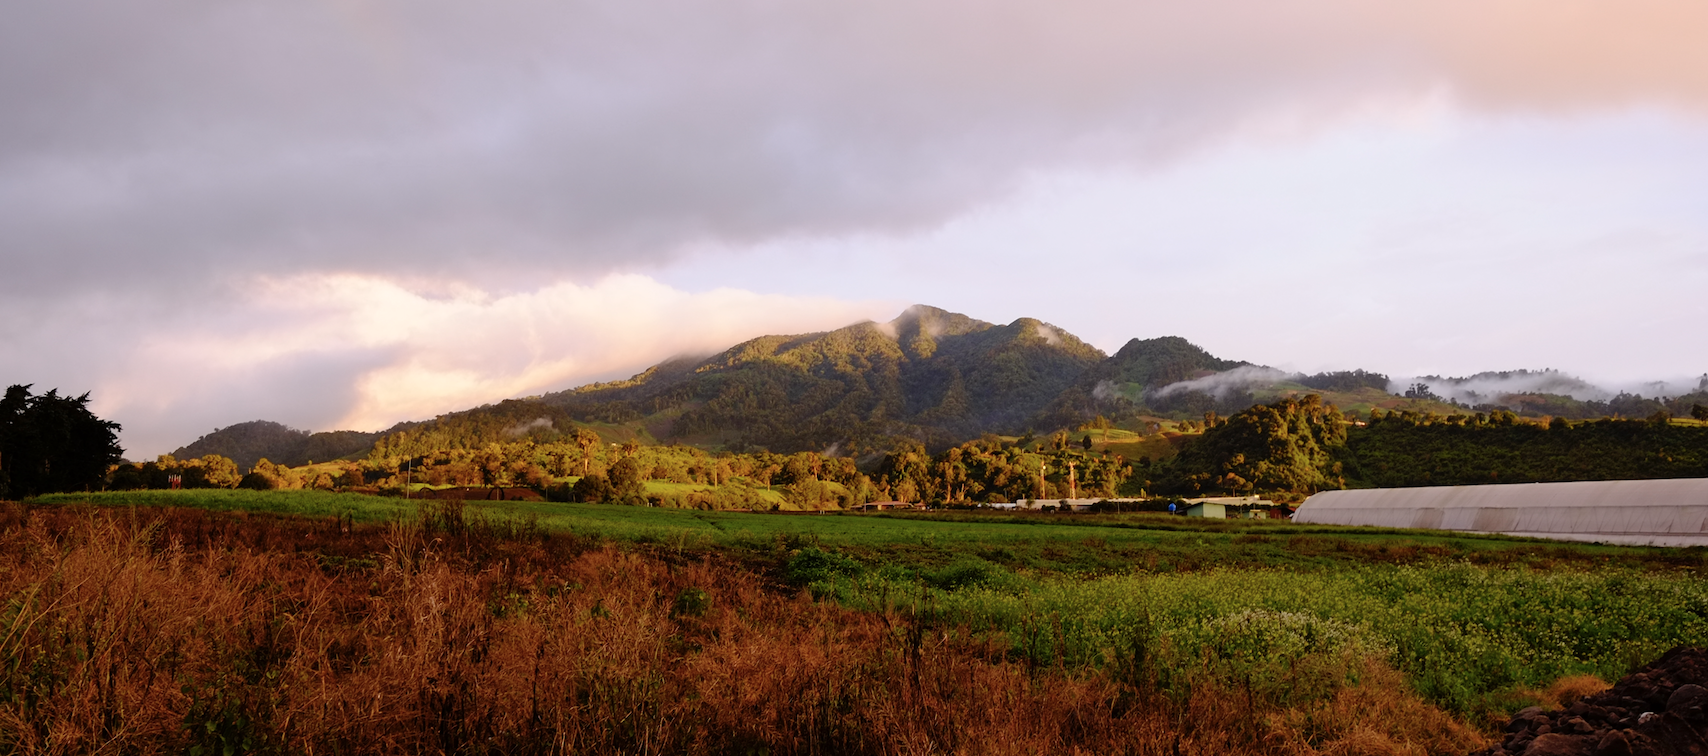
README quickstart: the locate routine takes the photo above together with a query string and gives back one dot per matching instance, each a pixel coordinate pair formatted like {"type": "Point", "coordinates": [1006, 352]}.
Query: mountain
{"type": "Point", "coordinates": [930, 375]}
{"type": "Point", "coordinates": [248, 443]}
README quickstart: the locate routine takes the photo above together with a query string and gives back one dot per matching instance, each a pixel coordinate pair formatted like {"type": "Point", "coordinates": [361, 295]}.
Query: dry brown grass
{"type": "Point", "coordinates": [175, 630]}
{"type": "Point", "coordinates": [1567, 690]}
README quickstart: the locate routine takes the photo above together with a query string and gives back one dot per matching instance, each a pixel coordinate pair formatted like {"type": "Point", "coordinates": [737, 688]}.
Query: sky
{"type": "Point", "coordinates": [347, 213]}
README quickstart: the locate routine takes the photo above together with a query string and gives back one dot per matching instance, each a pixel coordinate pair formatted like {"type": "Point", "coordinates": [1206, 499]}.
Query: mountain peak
{"type": "Point", "coordinates": [933, 322]}
{"type": "Point", "coordinates": [918, 328]}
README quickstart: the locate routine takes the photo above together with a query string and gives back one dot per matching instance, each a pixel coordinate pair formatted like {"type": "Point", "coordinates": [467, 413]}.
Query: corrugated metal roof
{"type": "Point", "coordinates": [1650, 512]}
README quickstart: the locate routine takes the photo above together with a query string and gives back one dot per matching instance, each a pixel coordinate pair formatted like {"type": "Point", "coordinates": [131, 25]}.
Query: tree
{"type": "Point", "coordinates": [1699, 412]}
{"type": "Point", "coordinates": [591, 488]}
{"type": "Point", "coordinates": [53, 443]}
{"type": "Point", "coordinates": [587, 440]}
{"type": "Point", "coordinates": [490, 463]}
{"type": "Point", "coordinates": [626, 480]}
{"type": "Point", "coordinates": [1421, 391]}
{"type": "Point", "coordinates": [1085, 443]}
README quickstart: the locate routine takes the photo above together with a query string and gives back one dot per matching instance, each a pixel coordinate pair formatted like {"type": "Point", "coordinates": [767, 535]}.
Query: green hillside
{"type": "Point", "coordinates": [932, 376]}
{"type": "Point", "coordinates": [248, 443]}
{"type": "Point", "coordinates": [929, 375]}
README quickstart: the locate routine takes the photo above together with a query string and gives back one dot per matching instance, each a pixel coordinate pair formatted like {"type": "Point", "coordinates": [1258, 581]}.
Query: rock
{"type": "Point", "coordinates": [1614, 743]}
{"type": "Point", "coordinates": [1688, 701]}
{"type": "Point", "coordinates": [1522, 719]}
{"type": "Point", "coordinates": [1669, 734]}
{"type": "Point", "coordinates": [1576, 726]}
{"type": "Point", "coordinates": [1556, 744]}
{"type": "Point", "coordinates": [1661, 710]}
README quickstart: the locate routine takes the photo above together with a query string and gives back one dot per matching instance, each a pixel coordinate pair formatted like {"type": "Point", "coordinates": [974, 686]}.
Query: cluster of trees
{"type": "Point", "coordinates": [1427, 449]}
{"type": "Point", "coordinates": [53, 443]}
{"type": "Point", "coordinates": [1296, 447]}
{"type": "Point", "coordinates": [1346, 381]}
{"type": "Point", "coordinates": [209, 471]}
{"type": "Point", "coordinates": [1292, 446]}
{"type": "Point", "coordinates": [1621, 406]}
{"type": "Point", "coordinates": [989, 470]}
{"type": "Point", "coordinates": [215, 471]}
{"type": "Point", "coordinates": [597, 469]}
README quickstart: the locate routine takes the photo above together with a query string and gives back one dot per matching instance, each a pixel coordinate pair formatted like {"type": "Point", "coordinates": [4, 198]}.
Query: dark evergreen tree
{"type": "Point", "coordinates": [52, 443]}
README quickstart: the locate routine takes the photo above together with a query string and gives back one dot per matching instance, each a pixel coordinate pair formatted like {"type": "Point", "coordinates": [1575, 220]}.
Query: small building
{"type": "Point", "coordinates": [1051, 505]}
{"type": "Point", "coordinates": [1208, 509]}
{"type": "Point", "coordinates": [884, 506]}
{"type": "Point", "coordinates": [1242, 507]}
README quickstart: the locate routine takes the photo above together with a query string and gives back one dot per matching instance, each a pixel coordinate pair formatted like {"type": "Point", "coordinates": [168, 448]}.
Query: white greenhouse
{"type": "Point", "coordinates": [1645, 512]}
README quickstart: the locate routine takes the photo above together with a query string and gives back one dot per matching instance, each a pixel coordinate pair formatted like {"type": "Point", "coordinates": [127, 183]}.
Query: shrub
{"type": "Point", "coordinates": [814, 565]}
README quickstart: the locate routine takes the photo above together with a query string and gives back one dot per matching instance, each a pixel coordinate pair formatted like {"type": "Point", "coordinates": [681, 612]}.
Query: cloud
{"type": "Point", "coordinates": [1220, 385]}
{"type": "Point", "coordinates": [1494, 387]}
{"type": "Point", "coordinates": [181, 140]}
{"type": "Point", "coordinates": [325, 351]}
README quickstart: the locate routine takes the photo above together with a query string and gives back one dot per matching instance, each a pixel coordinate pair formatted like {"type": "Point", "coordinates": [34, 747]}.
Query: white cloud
{"type": "Point", "coordinates": [327, 351]}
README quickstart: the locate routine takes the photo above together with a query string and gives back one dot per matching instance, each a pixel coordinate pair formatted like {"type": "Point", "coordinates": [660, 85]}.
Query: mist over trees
{"type": "Point", "coordinates": [51, 443]}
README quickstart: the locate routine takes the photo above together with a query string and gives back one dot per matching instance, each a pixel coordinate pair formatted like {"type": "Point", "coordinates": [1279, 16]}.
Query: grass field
{"type": "Point", "coordinates": [1310, 629]}
{"type": "Point", "coordinates": [1069, 544]}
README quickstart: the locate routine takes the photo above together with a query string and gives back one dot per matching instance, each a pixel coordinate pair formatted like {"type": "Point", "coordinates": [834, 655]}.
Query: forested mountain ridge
{"type": "Point", "coordinates": [930, 375]}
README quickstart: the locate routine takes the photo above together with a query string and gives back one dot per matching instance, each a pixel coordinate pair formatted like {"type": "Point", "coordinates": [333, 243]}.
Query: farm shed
{"type": "Point", "coordinates": [1208, 509]}
{"type": "Point", "coordinates": [1645, 512]}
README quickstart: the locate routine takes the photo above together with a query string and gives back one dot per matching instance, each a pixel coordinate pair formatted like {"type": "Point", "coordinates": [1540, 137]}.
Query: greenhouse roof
{"type": "Point", "coordinates": [1646, 512]}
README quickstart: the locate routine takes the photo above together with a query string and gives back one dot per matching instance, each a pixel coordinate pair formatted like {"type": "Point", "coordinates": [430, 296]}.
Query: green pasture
{"type": "Point", "coordinates": [305, 502]}
{"type": "Point", "coordinates": [1025, 542]}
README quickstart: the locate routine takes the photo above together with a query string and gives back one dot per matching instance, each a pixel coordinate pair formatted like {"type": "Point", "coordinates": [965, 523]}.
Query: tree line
{"type": "Point", "coordinates": [1287, 449]}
